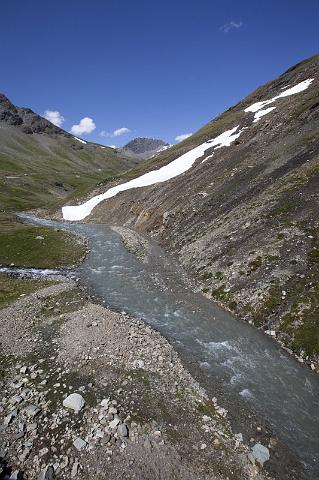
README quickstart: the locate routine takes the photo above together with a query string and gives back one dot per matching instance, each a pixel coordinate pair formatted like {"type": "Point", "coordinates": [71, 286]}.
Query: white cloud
{"type": "Point", "coordinates": [116, 133]}
{"type": "Point", "coordinates": [182, 137]}
{"type": "Point", "coordinates": [54, 117]}
{"type": "Point", "coordinates": [120, 131]}
{"type": "Point", "coordinates": [112, 146]}
{"type": "Point", "coordinates": [228, 26]}
{"type": "Point", "coordinates": [86, 125]}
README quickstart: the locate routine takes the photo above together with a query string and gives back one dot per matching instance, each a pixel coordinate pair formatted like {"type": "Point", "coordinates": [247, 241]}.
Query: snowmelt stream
{"type": "Point", "coordinates": [249, 365]}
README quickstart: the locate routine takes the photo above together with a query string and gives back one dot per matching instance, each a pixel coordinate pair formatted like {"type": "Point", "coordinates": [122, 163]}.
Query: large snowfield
{"type": "Point", "coordinates": [183, 163]}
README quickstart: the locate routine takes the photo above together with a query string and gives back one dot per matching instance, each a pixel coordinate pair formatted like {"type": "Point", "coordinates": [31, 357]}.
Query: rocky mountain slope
{"type": "Point", "coordinates": [245, 220]}
{"type": "Point", "coordinates": [42, 164]}
{"type": "Point", "coordinates": [144, 148]}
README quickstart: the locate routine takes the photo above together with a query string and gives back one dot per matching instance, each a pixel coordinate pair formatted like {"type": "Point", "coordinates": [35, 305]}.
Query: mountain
{"type": "Point", "coordinates": [26, 120]}
{"type": "Point", "coordinates": [144, 148]}
{"type": "Point", "coordinates": [243, 217]}
{"type": "Point", "coordinates": [41, 164]}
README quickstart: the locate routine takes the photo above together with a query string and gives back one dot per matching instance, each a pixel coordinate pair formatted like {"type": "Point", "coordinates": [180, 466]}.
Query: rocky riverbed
{"type": "Point", "coordinates": [87, 392]}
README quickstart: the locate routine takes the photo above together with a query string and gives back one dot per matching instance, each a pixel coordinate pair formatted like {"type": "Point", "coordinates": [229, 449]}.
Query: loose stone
{"type": "Point", "coordinates": [122, 430]}
{"type": "Point", "coordinates": [75, 402]}
{"type": "Point", "coordinates": [79, 443]}
{"type": "Point", "coordinates": [260, 453]}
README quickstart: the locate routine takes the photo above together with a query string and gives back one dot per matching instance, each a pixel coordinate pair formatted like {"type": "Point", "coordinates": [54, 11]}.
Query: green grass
{"type": "Point", "coordinates": [140, 375]}
{"type": "Point", "coordinates": [301, 323]}
{"type": "Point", "coordinates": [19, 245]}
{"type": "Point", "coordinates": [11, 288]}
{"type": "Point", "coordinates": [221, 294]}
{"type": "Point", "coordinates": [270, 302]}
{"type": "Point", "coordinates": [313, 254]}
{"type": "Point", "coordinates": [219, 275]}
{"type": "Point", "coordinates": [256, 263]}
{"type": "Point", "coordinates": [42, 171]}
{"type": "Point", "coordinates": [65, 302]}
{"type": "Point", "coordinates": [206, 276]}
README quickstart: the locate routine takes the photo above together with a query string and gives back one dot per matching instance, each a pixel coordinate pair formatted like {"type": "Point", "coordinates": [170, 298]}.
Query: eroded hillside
{"type": "Point", "coordinates": [245, 220]}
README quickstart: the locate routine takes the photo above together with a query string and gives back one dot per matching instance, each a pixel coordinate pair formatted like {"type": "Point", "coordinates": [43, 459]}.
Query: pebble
{"type": "Point", "coordinates": [122, 430]}
{"type": "Point", "coordinates": [8, 419]}
{"type": "Point", "coordinates": [65, 462]}
{"type": "Point", "coordinates": [79, 443]}
{"type": "Point", "coordinates": [47, 473]}
{"type": "Point", "coordinates": [31, 427]}
{"type": "Point", "coordinates": [43, 451]}
{"type": "Point", "coordinates": [32, 410]}
{"type": "Point", "coordinates": [138, 364]}
{"type": "Point", "coordinates": [105, 402]}
{"type": "Point", "coordinates": [75, 469]}
{"type": "Point", "coordinates": [15, 399]}
{"type": "Point", "coordinates": [16, 475]}
{"type": "Point", "coordinates": [114, 423]}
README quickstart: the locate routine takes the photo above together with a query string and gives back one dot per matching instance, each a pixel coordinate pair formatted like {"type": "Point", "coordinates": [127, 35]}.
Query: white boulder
{"type": "Point", "coordinates": [75, 402]}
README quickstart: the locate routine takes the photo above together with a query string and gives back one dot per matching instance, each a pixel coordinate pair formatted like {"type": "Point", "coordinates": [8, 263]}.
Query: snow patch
{"type": "Point", "coordinates": [261, 113]}
{"type": "Point", "coordinates": [175, 168]}
{"type": "Point", "coordinates": [165, 147]}
{"type": "Point", "coordinates": [300, 87]}
{"type": "Point", "coordinates": [80, 140]}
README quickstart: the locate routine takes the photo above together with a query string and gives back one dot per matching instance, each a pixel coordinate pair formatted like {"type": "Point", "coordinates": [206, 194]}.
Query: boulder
{"type": "Point", "coordinates": [260, 453]}
{"type": "Point", "coordinates": [75, 402]}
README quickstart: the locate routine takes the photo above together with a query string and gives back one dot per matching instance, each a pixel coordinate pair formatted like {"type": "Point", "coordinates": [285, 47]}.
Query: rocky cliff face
{"type": "Point", "coordinates": [245, 221]}
{"type": "Point", "coordinates": [26, 120]}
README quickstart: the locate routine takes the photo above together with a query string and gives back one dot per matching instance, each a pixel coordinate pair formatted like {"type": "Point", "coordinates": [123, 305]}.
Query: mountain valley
{"type": "Point", "coordinates": [154, 298]}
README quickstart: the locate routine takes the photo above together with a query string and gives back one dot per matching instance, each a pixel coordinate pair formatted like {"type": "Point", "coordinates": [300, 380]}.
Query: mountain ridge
{"type": "Point", "coordinates": [144, 148]}
{"type": "Point", "coordinates": [26, 119]}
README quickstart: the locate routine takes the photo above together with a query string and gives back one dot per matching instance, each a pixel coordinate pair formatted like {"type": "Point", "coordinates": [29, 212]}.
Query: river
{"type": "Point", "coordinates": [225, 354]}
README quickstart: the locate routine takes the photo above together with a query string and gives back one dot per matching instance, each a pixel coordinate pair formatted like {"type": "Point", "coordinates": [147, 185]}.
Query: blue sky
{"type": "Point", "coordinates": [157, 68]}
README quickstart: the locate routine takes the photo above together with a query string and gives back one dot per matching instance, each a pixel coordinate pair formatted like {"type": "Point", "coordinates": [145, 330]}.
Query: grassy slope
{"type": "Point", "coordinates": [41, 171]}
{"type": "Point", "coordinates": [19, 245]}
{"type": "Point", "coordinates": [39, 247]}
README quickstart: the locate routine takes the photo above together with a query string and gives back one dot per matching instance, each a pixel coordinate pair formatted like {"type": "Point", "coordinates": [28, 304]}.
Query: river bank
{"type": "Point", "coordinates": [252, 378]}
{"type": "Point", "coordinates": [144, 415]}
{"type": "Point", "coordinates": [139, 245]}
